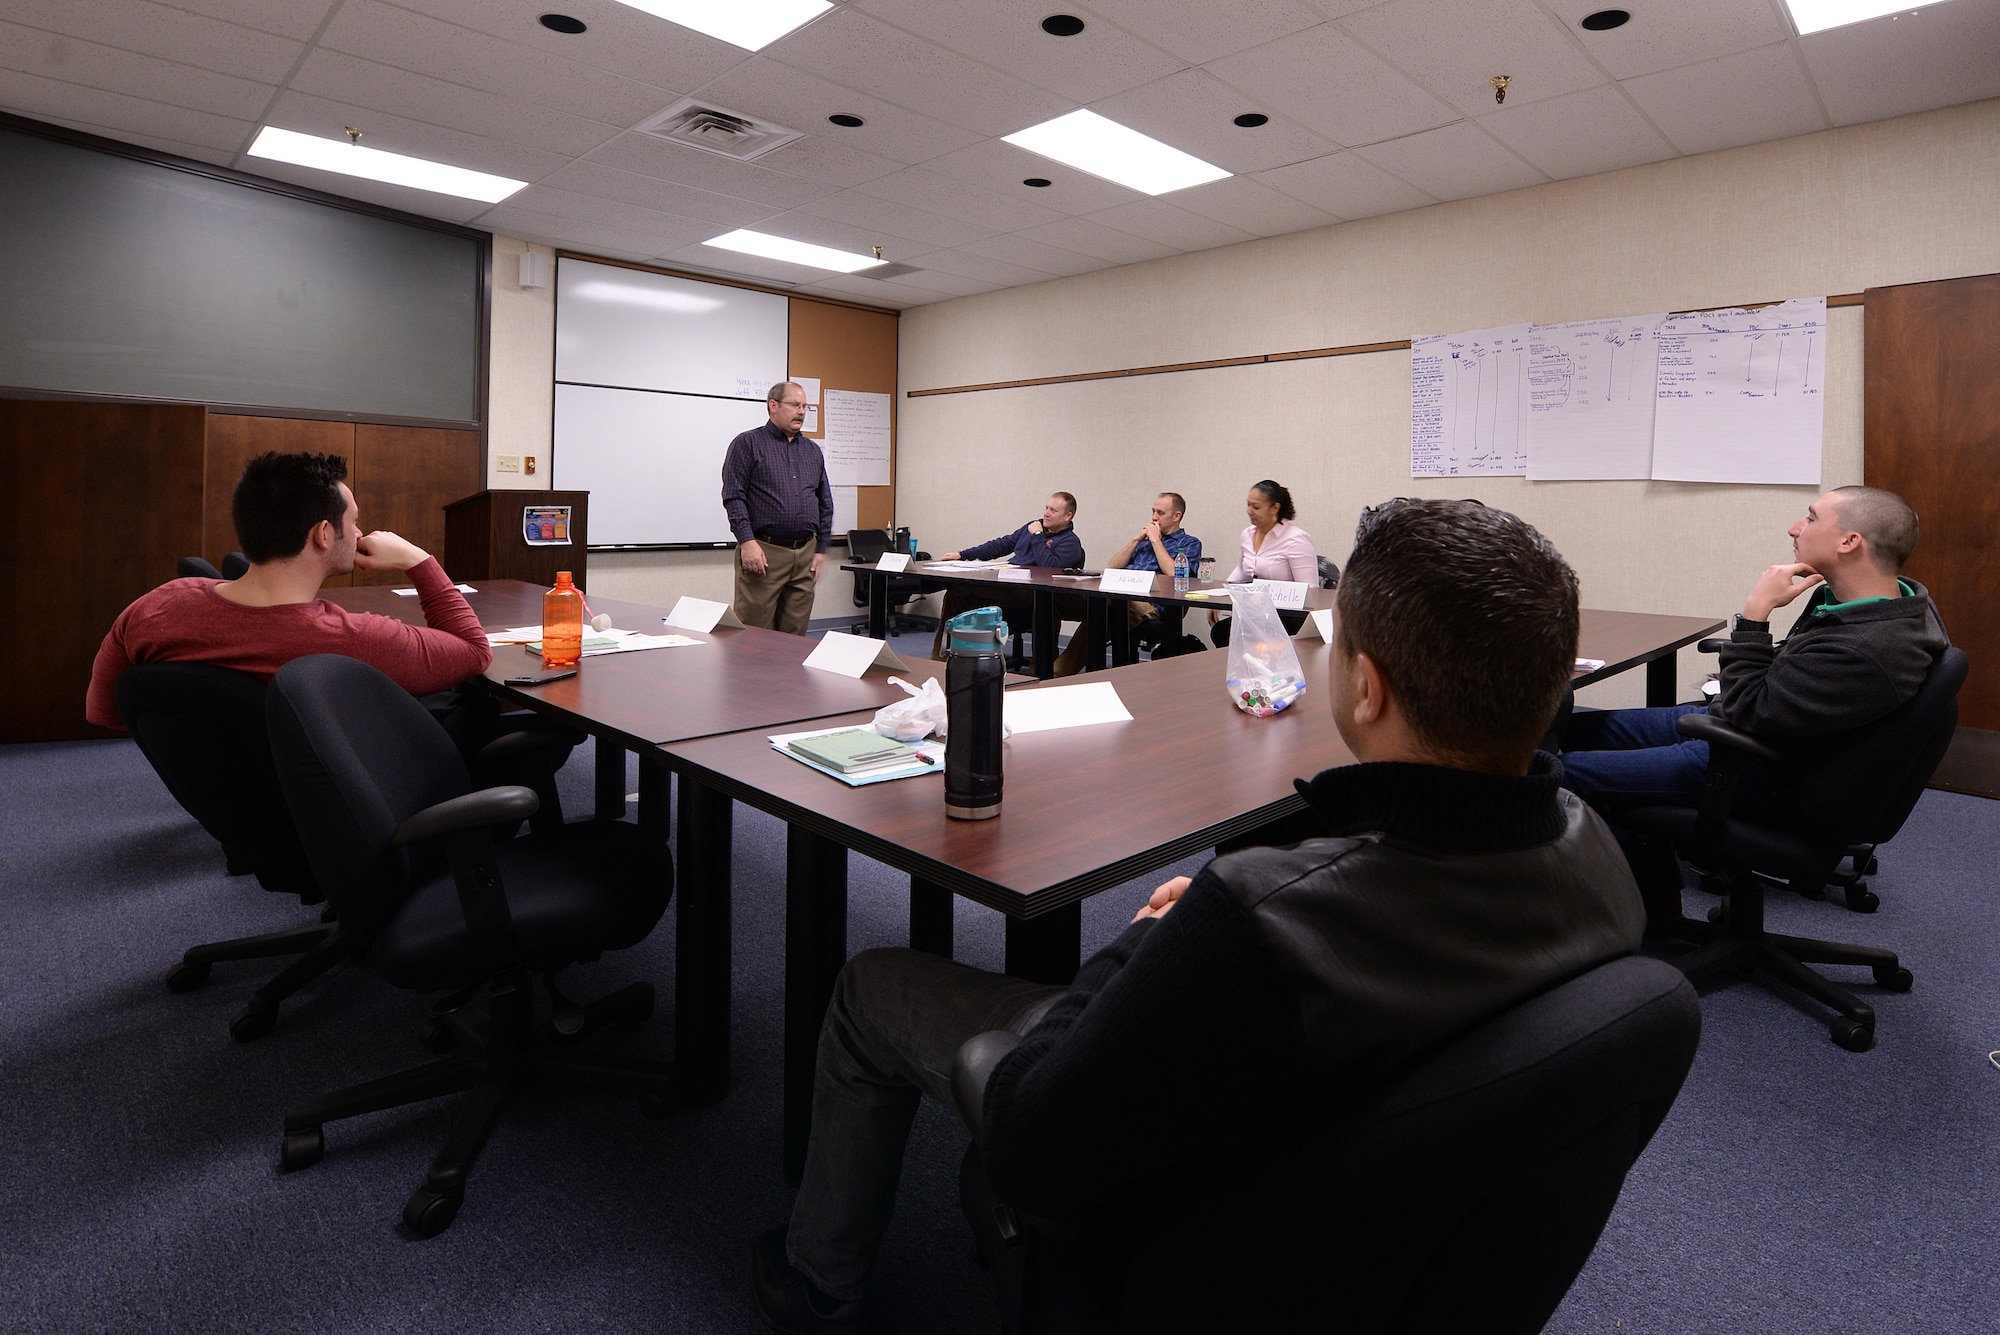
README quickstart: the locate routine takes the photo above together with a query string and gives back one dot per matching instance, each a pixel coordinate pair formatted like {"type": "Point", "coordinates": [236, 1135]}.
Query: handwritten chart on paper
{"type": "Point", "coordinates": [1740, 395]}
{"type": "Point", "coordinates": [1590, 398]}
{"type": "Point", "coordinates": [857, 438]}
{"type": "Point", "coordinates": [1469, 402]}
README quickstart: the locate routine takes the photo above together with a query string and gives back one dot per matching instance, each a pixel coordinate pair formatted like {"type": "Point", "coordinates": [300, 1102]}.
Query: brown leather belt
{"type": "Point", "coordinates": [793, 543]}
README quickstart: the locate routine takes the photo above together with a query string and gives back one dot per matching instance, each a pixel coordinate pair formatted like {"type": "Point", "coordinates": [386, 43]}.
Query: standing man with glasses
{"type": "Point", "coordinates": [780, 506]}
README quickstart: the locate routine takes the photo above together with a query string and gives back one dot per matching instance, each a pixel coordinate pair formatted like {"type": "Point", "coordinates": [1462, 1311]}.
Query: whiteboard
{"type": "Point", "coordinates": [637, 330]}
{"type": "Point", "coordinates": [651, 462]}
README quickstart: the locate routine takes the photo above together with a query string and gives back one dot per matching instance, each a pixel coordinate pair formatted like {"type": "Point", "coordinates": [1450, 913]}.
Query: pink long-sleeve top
{"type": "Point", "coordinates": [1288, 554]}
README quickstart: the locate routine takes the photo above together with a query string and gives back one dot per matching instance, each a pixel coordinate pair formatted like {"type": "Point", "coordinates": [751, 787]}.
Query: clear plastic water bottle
{"type": "Point", "coordinates": [1180, 573]}
{"type": "Point", "coordinates": [913, 547]}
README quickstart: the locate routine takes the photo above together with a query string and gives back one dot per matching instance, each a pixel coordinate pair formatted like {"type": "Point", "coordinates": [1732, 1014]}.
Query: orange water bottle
{"type": "Point", "coordinates": [562, 624]}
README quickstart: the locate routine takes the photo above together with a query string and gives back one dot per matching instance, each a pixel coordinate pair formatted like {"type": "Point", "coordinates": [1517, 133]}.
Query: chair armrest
{"type": "Point", "coordinates": [973, 1067]}
{"type": "Point", "coordinates": [528, 741]}
{"type": "Point", "coordinates": [1710, 729]}
{"type": "Point", "coordinates": [1711, 645]}
{"type": "Point", "coordinates": [481, 810]}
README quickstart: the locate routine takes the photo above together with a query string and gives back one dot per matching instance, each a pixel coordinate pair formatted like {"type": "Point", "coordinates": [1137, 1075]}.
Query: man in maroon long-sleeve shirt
{"type": "Point", "coordinates": [297, 522]}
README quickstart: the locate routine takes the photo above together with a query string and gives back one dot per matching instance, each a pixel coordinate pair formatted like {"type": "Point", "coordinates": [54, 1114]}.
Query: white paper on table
{"type": "Point", "coordinates": [1590, 398]}
{"type": "Point", "coordinates": [1053, 707]}
{"type": "Point", "coordinates": [893, 562]}
{"type": "Point", "coordinates": [856, 440]}
{"type": "Point", "coordinates": [999, 563]}
{"type": "Point", "coordinates": [1741, 395]}
{"type": "Point", "coordinates": [1018, 574]}
{"type": "Point", "coordinates": [1126, 581]}
{"type": "Point", "coordinates": [1285, 593]}
{"type": "Point", "coordinates": [514, 635]}
{"type": "Point", "coordinates": [631, 641]}
{"type": "Point", "coordinates": [1589, 664]}
{"type": "Point", "coordinates": [852, 655]}
{"type": "Point", "coordinates": [1468, 402]}
{"type": "Point", "coordinates": [1318, 626]}
{"type": "Point", "coordinates": [411, 593]}
{"type": "Point", "coordinates": [846, 508]}
{"type": "Point", "coordinates": [702, 615]}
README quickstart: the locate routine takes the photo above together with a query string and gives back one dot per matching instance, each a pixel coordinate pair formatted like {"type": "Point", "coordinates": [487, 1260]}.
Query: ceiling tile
{"type": "Point", "coordinates": [1742, 99]}
{"type": "Point", "coordinates": [1198, 31]}
{"type": "Point", "coordinates": [169, 34]}
{"type": "Point", "coordinates": [1330, 83]}
{"type": "Point", "coordinates": [1157, 220]}
{"type": "Point", "coordinates": [920, 187]}
{"type": "Point", "coordinates": [1038, 255]}
{"type": "Point", "coordinates": [558, 207]}
{"type": "Point", "coordinates": [73, 60]}
{"type": "Point", "coordinates": [999, 165]}
{"type": "Point", "coordinates": [590, 178]}
{"type": "Point", "coordinates": [1940, 56]}
{"type": "Point", "coordinates": [1667, 33]}
{"type": "Point", "coordinates": [854, 239]}
{"type": "Point", "coordinates": [1095, 239]}
{"type": "Point", "coordinates": [32, 95]}
{"type": "Point", "coordinates": [1452, 48]}
{"type": "Point", "coordinates": [1195, 112]}
{"type": "Point", "coordinates": [998, 272]}
{"type": "Point", "coordinates": [1346, 185]}
{"type": "Point", "coordinates": [763, 87]}
{"type": "Point", "coordinates": [823, 158]}
{"type": "Point", "coordinates": [424, 203]}
{"type": "Point", "coordinates": [868, 293]}
{"type": "Point", "coordinates": [682, 165]}
{"type": "Point", "coordinates": [851, 48]}
{"type": "Point", "coordinates": [1007, 35]}
{"type": "Point", "coordinates": [934, 280]}
{"type": "Point", "coordinates": [287, 18]}
{"type": "Point", "coordinates": [866, 211]}
{"type": "Point", "coordinates": [1588, 132]}
{"type": "Point", "coordinates": [1248, 203]}
{"type": "Point", "coordinates": [620, 40]}
{"type": "Point", "coordinates": [363, 83]}
{"type": "Point", "coordinates": [574, 234]}
{"type": "Point", "coordinates": [327, 118]}
{"type": "Point", "coordinates": [1456, 162]}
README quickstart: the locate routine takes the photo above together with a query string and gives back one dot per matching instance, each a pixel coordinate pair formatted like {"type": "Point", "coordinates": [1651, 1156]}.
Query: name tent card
{"type": "Point", "coordinates": [1017, 574]}
{"type": "Point", "coordinates": [1319, 626]}
{"type": "Point", "coordinates": [1126, 581]}
{"type": "Point", "coordinates": [1285, 593]}
{"type": "Point", "coordinates": [852, 655]}
{"type": "Point", "coordinates": [893, 562]}
{"type": "Point", "coordinates": [702, 616]}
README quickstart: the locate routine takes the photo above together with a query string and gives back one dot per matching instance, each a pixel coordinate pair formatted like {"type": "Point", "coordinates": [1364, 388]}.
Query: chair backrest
{"type": "Point", "coordinates": [1861, 786]}
{"type": "Point", "coordinates": [356, 756]}
{"type": "Point", "coordinates": [1465, 1197]}
{"type": "Point", "coordinates": [202, 729]}
{"type": "Point", "coordinates": [196, 567]}
{"type": "Point", "coordinates": [1329, 574]}
{"type": "Point", "coordinates": [864, 544]}
{"type": "Point", "coordinates": [235, 565]}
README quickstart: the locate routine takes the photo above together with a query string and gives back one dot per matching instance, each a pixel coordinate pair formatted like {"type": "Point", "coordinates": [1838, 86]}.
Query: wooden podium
{"type": "Point", "coordinates": [485, 537]}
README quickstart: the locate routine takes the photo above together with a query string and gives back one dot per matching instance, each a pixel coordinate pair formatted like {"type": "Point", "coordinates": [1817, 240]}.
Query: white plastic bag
{"type": "Point", "coordinates": [916, 718]}
{"type": "Point", "coordinates": [1263, 671]}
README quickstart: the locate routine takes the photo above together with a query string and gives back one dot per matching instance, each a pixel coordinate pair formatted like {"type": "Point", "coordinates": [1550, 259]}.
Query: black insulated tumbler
{"type": "Point", "coordinates": [974, 673]}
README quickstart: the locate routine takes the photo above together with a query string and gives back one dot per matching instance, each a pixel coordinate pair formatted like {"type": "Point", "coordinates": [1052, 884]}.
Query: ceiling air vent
{"type": "Point", "coordinates": [887, 271]}
{"type": "Point", "coordinates": [712, 129]}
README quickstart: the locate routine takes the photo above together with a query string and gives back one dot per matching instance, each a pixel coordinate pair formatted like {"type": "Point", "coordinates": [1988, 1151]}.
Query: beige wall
{"type": "Point", "coordinates": [1898, 201]}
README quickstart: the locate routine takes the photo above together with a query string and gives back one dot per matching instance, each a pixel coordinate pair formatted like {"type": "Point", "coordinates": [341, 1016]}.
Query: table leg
{"type": "Point", "coordinates": [655, 798]}
{"type": "Point", "coordinates": [702, 946]}
{"type": "Point", "coordinates": [610, 780]}
{"type": "Point", "coordinates": [1662, 683]}
{"type": "Point", "coordinates": [930, 917]}
{"type": "Point", "coordinates": [878, 606]}
{"type": "Point", "coordinates": [1092, 630]}
{"type": "Point", "coordinates": [815, 948]}
{"type": "Point", "coordinates": [1123, 650]}
{"type": "Point", "coordinates": [1047, 948]}
{"type": "Point", "coordinates": [1044, 625]}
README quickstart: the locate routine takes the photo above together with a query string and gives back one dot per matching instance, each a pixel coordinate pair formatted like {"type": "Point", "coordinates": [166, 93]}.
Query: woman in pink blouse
{"type": "Point", "coordinates": [1273, 547]}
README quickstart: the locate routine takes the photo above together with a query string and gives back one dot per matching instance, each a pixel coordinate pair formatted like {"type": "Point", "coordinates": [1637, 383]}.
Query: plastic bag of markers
{"type": "Point", "coordinates": [1263, 675]}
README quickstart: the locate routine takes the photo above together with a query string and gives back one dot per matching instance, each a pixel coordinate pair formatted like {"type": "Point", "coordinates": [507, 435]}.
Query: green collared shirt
{"type": "Point", "coordinates": [1825, 609]}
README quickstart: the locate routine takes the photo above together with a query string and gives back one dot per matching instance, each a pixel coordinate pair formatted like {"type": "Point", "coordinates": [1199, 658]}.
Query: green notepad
{"type": "Point", "coordinates": [855, 749]}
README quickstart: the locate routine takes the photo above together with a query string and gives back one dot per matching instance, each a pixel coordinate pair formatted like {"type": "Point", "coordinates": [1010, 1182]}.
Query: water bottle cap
{"type": "Point", "coordinates": [562, 580]}
{"type": "Point", "coordinates": [983, 628]}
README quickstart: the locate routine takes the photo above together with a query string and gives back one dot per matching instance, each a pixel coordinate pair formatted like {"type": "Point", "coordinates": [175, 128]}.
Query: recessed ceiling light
{"type": "Point", "coordinates": [750, 24]}
{"type": "Point", "coordinates": [1250, 120]}
{"type": "Point", "coordinates": [1810, 16]}
{"type": "Point", "coordinates": [1062, 25]}
{"type": "Point", "coordinates": [846, 121]}
{"type": "Point", "coordinates": [1089, 142]}
{"type": "Point", "coordinates": [1036, 182]}
{"type": "Point", "coordinates": [350, 159]}
{"type": "Point", "coordinates": [563, 23]}
{"type": "Point", "coordinates": [784, 248]}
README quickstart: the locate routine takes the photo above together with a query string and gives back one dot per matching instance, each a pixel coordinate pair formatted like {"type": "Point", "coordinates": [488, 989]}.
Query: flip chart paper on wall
{"type": "Point", "coordinates": [846, 508]}
{"type": "Point", "coordinates": [1741, 395]}
{"type": "Point", "coordinates": [1469, 403]}
{"type": "Point", "coordinates": [852, 655]}
{"type": "Point", "coordinates": [1590, 398]}
{"type": "Point", "coordinates": [857, 438]}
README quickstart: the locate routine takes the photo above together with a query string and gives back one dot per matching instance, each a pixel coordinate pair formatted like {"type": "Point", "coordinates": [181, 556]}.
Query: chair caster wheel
{"type": "Point", "coordinates": [1896, 980]}
{"type": "Point", "coordinates": [437, 1036]}
{"type": "Point", "coordinates": [430, 1212]}
{"type": "Point", "coordinates": [1854, 1037]}
{"type": "Point", "coordinates": [302, 1149]}
{"type": "Point", "coordinates": [253, 1022]}
{"type": "Point", "coordinates": [1863, 900]}
{"type": "Point", "coordinates": [186, 977]}
{"type": "Point", "coordinates": [1717, 912]}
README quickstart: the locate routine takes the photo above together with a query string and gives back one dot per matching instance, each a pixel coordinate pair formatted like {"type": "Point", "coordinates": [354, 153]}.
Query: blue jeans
{"type": "Point", "coordinates": [1619, 758]}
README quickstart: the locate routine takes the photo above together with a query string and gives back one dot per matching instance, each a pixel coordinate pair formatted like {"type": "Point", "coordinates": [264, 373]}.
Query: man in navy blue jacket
{"type": "Point", "coordinates": [1049, 541]}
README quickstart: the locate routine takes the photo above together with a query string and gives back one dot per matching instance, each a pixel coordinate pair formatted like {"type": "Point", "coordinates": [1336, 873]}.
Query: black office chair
{"type": "Point", "coordinates": [199, 567]}
{"type": "Point", "coordinates": [1329, 574]}
{"type": "Point", "coordinates": [1855, 789]}
{"type": "Point", "coordinates": [405, 850]}
{"type": "Point", "coordinates": [868, 544]}
{"type": "Point", "coordinates": [202, 729]}
{"type": "Point", "coordinates": [1465, 1197]}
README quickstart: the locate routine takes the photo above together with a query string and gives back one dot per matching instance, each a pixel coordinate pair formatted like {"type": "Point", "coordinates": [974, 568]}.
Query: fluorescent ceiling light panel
{"type": "Point", "coordinates": [350, 159]}
{"type": "Point", "coordinates": [750, 24]}
{"type": "Point", "coordinates": [1088, 142]}
{"type": "Point", "coordinates": [792, 252]}
{"type": "Point", "coordinates": [1819, 15]}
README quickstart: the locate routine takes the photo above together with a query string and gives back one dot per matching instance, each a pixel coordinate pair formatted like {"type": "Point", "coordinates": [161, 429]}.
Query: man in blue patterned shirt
{"type": "Point", "coordinates": [1154, 547]}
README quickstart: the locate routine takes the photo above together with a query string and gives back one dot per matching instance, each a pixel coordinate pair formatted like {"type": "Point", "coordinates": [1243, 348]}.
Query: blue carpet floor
{"type": "Point", "coordinates": [1795, 1187]}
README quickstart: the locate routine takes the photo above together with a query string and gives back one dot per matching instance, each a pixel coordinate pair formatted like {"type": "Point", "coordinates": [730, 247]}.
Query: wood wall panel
{"type": "Point", "coordinates": [1932, 432]}
{"type": "Point", "coordinates": [104, 499]}
{"type": "Point", "coordinates": [234, 440]}
{"type": "Point", "coordinates": [846, 348]}
{"type": "Point", "coordinates": [404, 476]}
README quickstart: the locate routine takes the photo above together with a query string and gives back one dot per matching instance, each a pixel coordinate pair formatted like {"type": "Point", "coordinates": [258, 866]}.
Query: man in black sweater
{"type": "Point", "coordinates": [1279, 985]}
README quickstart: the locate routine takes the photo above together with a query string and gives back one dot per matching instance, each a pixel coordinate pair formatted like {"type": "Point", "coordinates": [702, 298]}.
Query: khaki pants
{"type": "Point", "coordinates": [782, 597]}
{"type": "Point", "coordinates": [1071, 661]}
